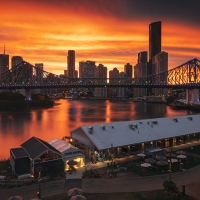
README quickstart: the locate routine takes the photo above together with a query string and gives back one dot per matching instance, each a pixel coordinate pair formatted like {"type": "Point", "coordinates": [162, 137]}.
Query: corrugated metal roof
{"type": "Point", "coordinates": [121, 134]}
{"type": "Point", "coordinates": [35, 146]}
{"type": "Point", "coordinates": [63, 146]}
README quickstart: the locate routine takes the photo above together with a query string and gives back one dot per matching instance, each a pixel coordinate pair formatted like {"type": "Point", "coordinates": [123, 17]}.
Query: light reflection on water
{"type": "Point", "coordinates": [17, 127]}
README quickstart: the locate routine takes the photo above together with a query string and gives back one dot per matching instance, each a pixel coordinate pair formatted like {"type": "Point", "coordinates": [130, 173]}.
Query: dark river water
{"type": "Point", "coordinates": [17, 127]}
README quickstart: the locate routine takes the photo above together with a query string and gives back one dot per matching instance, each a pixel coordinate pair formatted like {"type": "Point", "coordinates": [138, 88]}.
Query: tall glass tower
{"type": "Point", "coordinates": [154, 42]}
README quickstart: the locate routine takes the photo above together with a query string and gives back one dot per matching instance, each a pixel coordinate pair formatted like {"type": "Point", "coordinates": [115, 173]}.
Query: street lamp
{"type": "Point", "coordinates": [39, 180]}
{"type": "Point", "coordinates": [170, 164]}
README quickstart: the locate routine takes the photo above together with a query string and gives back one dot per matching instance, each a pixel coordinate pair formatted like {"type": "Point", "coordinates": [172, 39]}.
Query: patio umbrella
{"type": "Point", "coordinates": [74, 192]}
{"type": "Point", "coordinates": [161, 158]}
{"type": "Point", "coordinates": [173, 160]}
{"type": "Point", "coordinates": [172, 155]}
{"type": "Point", "coordinates": [145, 165]}
{"type": "Point", "coordinates": [72, 162]}
{"type": "Point", "coordinates": [181, 152]}
{"type": "Point", "coordinates": [15, 198]}
{"type": "Point", "coordinates": [119, 156]}
{"type": "Point", "coordinates": [161, 163]}
{"type": "Point", "coordinates": [78, 197]}
{"type": "Point", "coordinates": [141, 155]}
{"type": "Point", "coordinates": [181, 156]}
{"type": "Point", "coordinates": [150, 160]}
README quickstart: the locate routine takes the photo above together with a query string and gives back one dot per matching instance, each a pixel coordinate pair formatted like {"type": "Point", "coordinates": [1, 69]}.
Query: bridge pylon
{"type": "Point", "coordinates": [192, 96]}
{"type": "Point", "coordinates": [26, 93]}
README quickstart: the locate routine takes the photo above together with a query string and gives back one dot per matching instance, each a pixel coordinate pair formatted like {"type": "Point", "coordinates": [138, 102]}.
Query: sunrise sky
{"type": "Point", "coordinates": [110, 32]}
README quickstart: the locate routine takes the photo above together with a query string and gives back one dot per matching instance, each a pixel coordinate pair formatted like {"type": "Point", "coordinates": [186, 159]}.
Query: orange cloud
{"type": "Point", "coordinates": [43, 31]}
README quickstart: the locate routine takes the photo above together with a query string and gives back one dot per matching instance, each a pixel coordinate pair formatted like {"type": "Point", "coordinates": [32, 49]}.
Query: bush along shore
{"type": "Point", "coordinates": [16, 101]}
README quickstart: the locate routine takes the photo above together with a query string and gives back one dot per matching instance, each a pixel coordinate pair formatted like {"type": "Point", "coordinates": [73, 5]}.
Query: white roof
{"type": "Point", "coordinates": [118, 134]}
{"type": "Point", "coordinates": [63, 146]}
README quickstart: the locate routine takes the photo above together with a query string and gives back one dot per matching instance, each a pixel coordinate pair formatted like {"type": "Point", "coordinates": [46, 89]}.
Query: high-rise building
{"type": "Point", "coordinates": [142, 57]}
{"type": "Point", "coordinates": [15, 60]}
{"type": "Point", "coordinates": [113, 79]}
{"type": "Point", "coordinates": [128, 69]}
{"type": "Point", "coordinates": [154, 42]}
{"type": "Point", "coordinates": [101, 75]}
{"type": "Point", "coordinates": [121, 91]}
{"type": "Point", "coordinates": [4, 62]}
{"type": "Point", "coordinates": [71, 63]}
{"type": "Point", "coordinates": [160, 64]}
{"type": "Point", "coordinates": [87, 69]}
{"type": "Point", "coordinates": [140, 71]}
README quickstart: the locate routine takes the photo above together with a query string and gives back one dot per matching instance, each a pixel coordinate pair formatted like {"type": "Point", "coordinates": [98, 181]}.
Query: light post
{"type": "Point", "coordinates": [39, 172]}
{"type": "Point", "coordinates": [170, 165]}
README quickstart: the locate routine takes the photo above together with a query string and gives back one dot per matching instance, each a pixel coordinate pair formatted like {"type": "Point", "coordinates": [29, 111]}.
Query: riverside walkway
{"type": "Point", "coordinates": [189, 178]}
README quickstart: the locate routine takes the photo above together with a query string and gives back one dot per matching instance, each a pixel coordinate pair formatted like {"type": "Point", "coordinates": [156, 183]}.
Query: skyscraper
{"type": "Point", "coordinates": [141, 70]}
{"type": "Point", "coordinates": [87, 69]}
{"type": "Point", "coordinates": [15, 60]}
{"type": "Point", "coordinates": [160, 64]}
{"type": "Point", "coordinates": [4, 62]}
{"type": "Point", "coordinates": [128, 69]}
{"type": "Point", "coordinates": [154, 42]}
{"type": "Point", "coordinates": [71, 63]}
{"type": "Point", "coordinates": [101, 75]}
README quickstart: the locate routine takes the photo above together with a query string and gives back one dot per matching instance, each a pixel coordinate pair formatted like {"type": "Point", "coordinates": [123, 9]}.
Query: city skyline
{"type": "Point", "coordinates": [111, 33]}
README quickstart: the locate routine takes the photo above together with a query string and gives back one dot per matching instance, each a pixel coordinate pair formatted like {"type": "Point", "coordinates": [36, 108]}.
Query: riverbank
{"type": "Point", "coordinates": [25, 105]}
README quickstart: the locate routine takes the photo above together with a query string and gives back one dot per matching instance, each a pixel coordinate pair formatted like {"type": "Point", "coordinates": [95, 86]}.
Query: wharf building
{"type": "Point", "coordinates": [51, 155]}
{"type": "Point", "coordinates": [121, 138]}
{"type": "Point", "coordinates": [140, 71]}
{"type": "Point", "coordinates": [101, 75]}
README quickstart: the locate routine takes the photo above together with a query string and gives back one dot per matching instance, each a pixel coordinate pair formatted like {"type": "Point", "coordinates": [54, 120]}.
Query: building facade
{"type": "Point", "coordinates": [140, 71]}
{"type": "Point", "coordinates": [15, 60]}
{"type": "Point", "coordinates": [101, 141]}
{"type": "Point", "coordinates": [160, 64]}
{"type": "Point", "coordinates": [71, 63]}
{"type": "Point", "coordinates": [101, 75]}
{"type": "Point", "coordinates": [4, 62]}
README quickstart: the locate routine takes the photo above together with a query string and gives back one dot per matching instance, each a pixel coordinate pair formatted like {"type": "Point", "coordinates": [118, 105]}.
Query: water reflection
{"type": "Point", "coordinates": [17, 127]}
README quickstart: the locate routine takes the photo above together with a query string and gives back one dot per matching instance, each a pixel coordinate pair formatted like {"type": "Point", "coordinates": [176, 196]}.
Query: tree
{"type": "Point", "coordinates": [171, 189]}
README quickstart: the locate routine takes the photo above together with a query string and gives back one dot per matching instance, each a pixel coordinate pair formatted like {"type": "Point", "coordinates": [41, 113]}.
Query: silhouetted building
{"type": "Point", "coordinates": [101, 75]}
{"type": "Point", "coordinates": [160, 64]}
{"type": "Point", "coordinates": [87, 69]}
{"type": "Point", "coordinates": [4, 62]}
{"type": "Point", "coordinates": [15, 60]}
{"type": "Point", "coordinates": [142, 57]}
{"type": "Point", "coordinates": [140, 72]}
{"type": "Point", "coordinates": [113, 79]}
{"type": "Point", "coordinates": [154, 42]}
{"type": "Point", "coordinates": [121, 91]}
{"type": "Point", "coordinates": [76, 74]}
{"type": "Point", "coordinates": [71, 63]}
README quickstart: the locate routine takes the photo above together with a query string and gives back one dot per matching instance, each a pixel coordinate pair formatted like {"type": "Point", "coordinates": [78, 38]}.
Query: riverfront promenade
{"type": "Point", "coordinates": [189, 178]}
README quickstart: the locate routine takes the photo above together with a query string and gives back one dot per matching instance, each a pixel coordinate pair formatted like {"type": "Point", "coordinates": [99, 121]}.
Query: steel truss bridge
{"type": "Point", "coordinates": [26, 76]}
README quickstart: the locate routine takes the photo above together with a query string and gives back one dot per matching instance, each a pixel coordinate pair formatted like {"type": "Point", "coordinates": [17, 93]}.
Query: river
{"type": "Point", "coordinates": [17, 127]}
